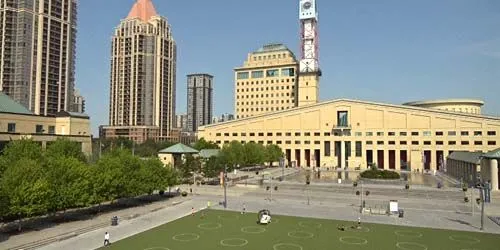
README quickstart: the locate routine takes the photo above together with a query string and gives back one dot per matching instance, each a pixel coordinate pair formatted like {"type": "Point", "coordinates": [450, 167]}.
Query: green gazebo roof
{"type": "Point", "coordinates": [495, 154]}
{"type": "Point", "coordinates": [179, 148]}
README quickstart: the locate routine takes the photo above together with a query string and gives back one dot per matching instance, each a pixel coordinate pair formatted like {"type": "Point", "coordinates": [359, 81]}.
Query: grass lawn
{"type": "Point", "coordinates": [232, 230]}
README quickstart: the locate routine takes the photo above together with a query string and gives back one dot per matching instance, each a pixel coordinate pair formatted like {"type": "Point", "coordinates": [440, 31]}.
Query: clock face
{"type": "Point", "coordinates": [307, 5]}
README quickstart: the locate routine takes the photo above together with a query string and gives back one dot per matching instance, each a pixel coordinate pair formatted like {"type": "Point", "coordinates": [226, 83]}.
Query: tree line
{"type": "Point", "coordinates": [37, 182]}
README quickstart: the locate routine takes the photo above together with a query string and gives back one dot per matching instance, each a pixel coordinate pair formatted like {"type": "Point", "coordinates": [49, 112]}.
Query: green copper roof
{"type": "Point", "coordinates": [8, 105]}
{"type": "Point", "coordinates": [465, 156]}
{"type": "Point", "coordinates": [495, 154]}
{"type": "Point", "coordinates": [179, 148]}
{"type": "Point", "coordinates": [272, 47]}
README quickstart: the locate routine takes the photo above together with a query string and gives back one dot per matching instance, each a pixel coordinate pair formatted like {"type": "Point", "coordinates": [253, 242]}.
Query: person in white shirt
{"type": "Point", "coordinates": [106, 239]}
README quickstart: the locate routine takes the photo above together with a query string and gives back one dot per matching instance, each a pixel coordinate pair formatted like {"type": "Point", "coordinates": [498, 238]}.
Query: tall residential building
{"type": "Point", "coordinates": [223, 118]}
{"type": "Point", "coordinates": [181, 121]}
{"type": "Point", "coordinates": [200, 100]}
{"type": "Point", "coordinates": [266, 82]}
{"type": "Point", "coordinates": [78, 102]}
{"type": "Point", "coordinates": [37, 59]}
{"type": "Point", "coordinates": [143, 75]}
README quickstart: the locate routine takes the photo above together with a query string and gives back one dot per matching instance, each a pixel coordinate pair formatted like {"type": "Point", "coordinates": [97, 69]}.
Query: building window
{"type": "Point", "coordinates": [359, 149]}
{"type": "Point", "coordinates": [439, 133]}
{"type": "Point", "coordinates": [218, 142]}
{"type": "Point", "coordinates": [452, 133]}
{"type": "Point", "coordinates": [242, 75]}
{"type": "Point", "coordinates": [288, 142]}
{"type": "Point", "coordinates": [278, 134]}
{"type": "Point", "coordinates": [464, 133]}
{"type": "Point", "coordinates": [478, 143]}
{"type": "Point", "coordinates": [452, 143]}
{"type": "Point", "coordinates": [380, 142]}
{"type": "Point", "coordinates": [327, 134]}
{"type": "Point", "coordinates": [288, 72]}
{"type": "Point", "coordinates": [235, 134]}
{"type": "Point", "coordinates": [243, 134]}
{"type": "Point", "coordinates": [269, 134]}
{"type": "Point", "coordinates": [427, 143]}
{"type": "Point", "coordinates": [327, 148]}
{"type": "Point", "coordinates": [11, 127]}
{"type": "Point", "coordinates": [369, 133]}
{"type": "Point", "coordinates": [358, 134]}
{"type": "Point", "coordinates": [252, 134]}
{"type": "Point", "coordinates": [342, 119]}
{"type": "Point", "coordinates": [439, 142]}
{"type": "Point", "coordinates": [52, 130]}
{"type": "Point", "coordinates": [317, 134]}
{"type": "Point", "coordinates": [317, 142]}
{"type": "Point", "coordinates": [39, 129]}
{"type": "Point", "coordinates": [307, 142]}
{"type": "Point", "coordinates": [392, 133]}
{"type": "Point", "coordinates": [427, 133]}
{"type": "Point", "coordinates": [226, 134]}
{"type": "Point", "coordinates": [464, 142]}
{"type": "Point", "coordinates": [380, 133]}
{"type": "Point", "coordinates": [414, 143]}
{"type": "Point", "coordinates": [403, 134]}
{"type": "Point", "coordinates": [392, 143]}
{"type": "Point", "coordinates": [297, 133]}
{"type": "Point", "coordinates": [307, 134]}
{"type": "Point", "coordinates": [261, 134]}
{"type": "Point", "coordinates": [369, 143]}
{"type": "Point", "coordinates": [218, 134]}
{"type": "Point", "coordinates": [269, 142]}
{"type": "Point", "coordinates": [478, 133]}
{"type": "Point", "coordinates": [414, 133]}
{"type": "Point", "coordinates": [288, 134]}
{"type": "Point", "coordinates": [257, 74]}
{"type": "Point", "coordinates": [492, 143]}
{"type": "Point", "coordinates": [272, 73]}
{"type": "Point", "coordinates": [492, 133]}
{"type": "Point", "coordinates": [278, 142]}
{"type": "Point", "coordinates": [297, 142]}
{"type": "Point", "coordinates": [403, 143]}
{"type": "Point", "coordinates": [261, 142]}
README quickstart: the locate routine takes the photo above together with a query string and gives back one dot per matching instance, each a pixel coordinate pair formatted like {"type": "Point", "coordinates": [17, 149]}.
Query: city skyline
{"type": "Point", "coordinates": [381, 51]}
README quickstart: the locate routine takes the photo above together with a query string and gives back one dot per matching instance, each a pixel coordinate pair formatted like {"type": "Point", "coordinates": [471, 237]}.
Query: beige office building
{"type": "Point", "coordinates": [20, 123]}
{"type": "Point", "coordinates": [267, 82]}
{"type": "Point", "coordinates": [37, 59]}
{"type": "Point", "coordinates": [143, 75]}
{"type": "Point", "coordinates": [354, 133]}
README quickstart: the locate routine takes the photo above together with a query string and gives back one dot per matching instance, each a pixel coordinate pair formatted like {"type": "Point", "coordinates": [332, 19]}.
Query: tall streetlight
{"type": "Point", "coordinates": [225, 186]}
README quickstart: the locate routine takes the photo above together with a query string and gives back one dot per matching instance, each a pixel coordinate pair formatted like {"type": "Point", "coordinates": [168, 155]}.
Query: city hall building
{"type": "Point", "coordinates": [355, 133]}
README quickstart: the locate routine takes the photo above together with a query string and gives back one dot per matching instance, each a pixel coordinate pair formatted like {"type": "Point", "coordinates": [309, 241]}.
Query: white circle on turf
{"type": "Point", "coordinates": [253, 230]}
{"type": "Point", "coordinates": [208, 226]}
{"type": "Point", "coordinates": [410, 246]}
{"type": "Point", "coordinates": [287, 246]}
{"type": "Point", "coordinates": [228, 217]}
{"type": "Point", "coordinates": [310, 224]}
{"type": "Point", "coordinates": [157, 248]}
{"type": "Point", "coordinates": [464, 239]}
{"type": "Point", "coordinates": [300, 235]}
{"type": "Point", "coordinates": [243, 242]}
{"type": "Point", "coordinates": [186, 237]}
{"type": "Point", "coordinates": [353, 240]}
{"type": "Point", "coordinates": [409, 234]}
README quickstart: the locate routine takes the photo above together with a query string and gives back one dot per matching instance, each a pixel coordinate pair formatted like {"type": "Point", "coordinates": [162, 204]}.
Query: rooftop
{"type": "Point", "coordinates": [143, 10]}
{"type": "Point", "coordinates": [179, 148]}
{"type": "Point", "coordinates": [8, 105]}
{"type": "Point", "coordinates": [446, 101]}
{"type": "Point", "coordinates": [469, 157]}
{"type": "Point", "coordinates": [271, 48]}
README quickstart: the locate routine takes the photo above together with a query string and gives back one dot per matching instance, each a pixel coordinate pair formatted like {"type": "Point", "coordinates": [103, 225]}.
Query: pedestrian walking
{"type": "Point", "coordinates": [244, 209]}
{"type": "Point", "coordinates": [106, 239]}
{"type": "Point", "coordinates": [192, 211]}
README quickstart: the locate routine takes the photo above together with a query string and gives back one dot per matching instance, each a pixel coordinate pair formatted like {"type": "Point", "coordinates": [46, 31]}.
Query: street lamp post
{"type": "Point", "coordinates": [225, 186]}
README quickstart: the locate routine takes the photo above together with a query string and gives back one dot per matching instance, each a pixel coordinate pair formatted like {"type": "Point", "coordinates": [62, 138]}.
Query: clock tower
{"type": "Point", "coordinates": [309, 71]}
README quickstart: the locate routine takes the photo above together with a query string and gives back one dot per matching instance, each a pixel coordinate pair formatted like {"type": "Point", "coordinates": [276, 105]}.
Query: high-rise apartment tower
{"type": "Point", "coordinates": [200, 100]}
{"type": "Point", "coordinates": [37, 59]}
{"type": "Point", "coordinates": [143, 74]}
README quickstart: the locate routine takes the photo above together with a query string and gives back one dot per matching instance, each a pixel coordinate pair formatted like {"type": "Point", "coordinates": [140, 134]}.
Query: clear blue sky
{"type": "Point", "coordinates": [386, 50]}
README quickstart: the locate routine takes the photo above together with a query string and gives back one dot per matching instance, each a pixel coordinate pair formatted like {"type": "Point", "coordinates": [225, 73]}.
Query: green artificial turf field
{"type": "Point", "coordinates": [232, 230]}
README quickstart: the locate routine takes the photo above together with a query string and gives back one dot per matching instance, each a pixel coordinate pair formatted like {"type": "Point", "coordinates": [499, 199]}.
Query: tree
{"type": "Point", "coordinates": [27, 189]}
{"type": "Point", "coordinates": [254, 154]}
{"type": "Point", "coordinates": [273, 153]}
{"type": "Point", "coordinates": [203, 144]}
{"type": "Point", "coordinates": [189, 166]}
{"type": "Point", "coordinates": [149, 148]}
{"type": "Point", "coordinates": [18, 150]}
{"type": "Point", "coordinates": [213, 166]}
{"type": "Point", "coordinates": [70, 181]}
{"type": "Point", "coordinates": [109, 178]}
{"type": "Point", "coordinates": [65, 148]}
{"type": "Point", "coordinates": [232, 154]}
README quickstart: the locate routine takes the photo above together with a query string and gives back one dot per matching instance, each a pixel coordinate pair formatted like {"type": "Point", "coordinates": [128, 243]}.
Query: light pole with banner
{"type": "Point", "coordinates": [225, 185]}
{"type": "Point", "coordinates": [282, 166]}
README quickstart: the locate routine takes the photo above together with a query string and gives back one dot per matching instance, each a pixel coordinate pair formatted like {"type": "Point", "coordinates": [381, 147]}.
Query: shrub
{"type": "Point", "coordinates": [380, 174]}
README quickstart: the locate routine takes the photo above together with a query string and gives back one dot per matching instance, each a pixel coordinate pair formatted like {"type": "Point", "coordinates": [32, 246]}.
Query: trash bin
{"type": "Point", "coordinates": [114, 221]}
{"type": "Point", "coordinates": [401, 213]}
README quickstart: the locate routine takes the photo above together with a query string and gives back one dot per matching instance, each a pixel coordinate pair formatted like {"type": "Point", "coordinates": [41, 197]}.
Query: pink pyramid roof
{"type": "Point", "coordinates": [142, 9]}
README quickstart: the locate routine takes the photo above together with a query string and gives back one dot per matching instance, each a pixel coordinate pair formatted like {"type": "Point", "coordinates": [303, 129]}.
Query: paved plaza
{"type": "Point", "coordinates": [423, 206]}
